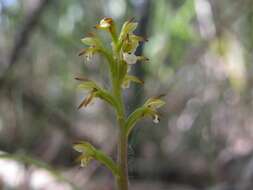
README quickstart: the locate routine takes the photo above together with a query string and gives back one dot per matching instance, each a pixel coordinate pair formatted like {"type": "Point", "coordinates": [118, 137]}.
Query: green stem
{"type": "Point", "coordinates": [122, 179]}
{"type": "Point", "coordinates": [122, 158]}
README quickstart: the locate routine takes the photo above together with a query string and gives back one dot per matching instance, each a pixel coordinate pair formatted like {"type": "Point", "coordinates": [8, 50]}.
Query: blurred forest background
{"type": "Point", "coordinates": [201, 54]}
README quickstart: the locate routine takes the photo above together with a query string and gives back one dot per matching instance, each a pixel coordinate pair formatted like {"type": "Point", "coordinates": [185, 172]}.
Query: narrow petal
{"type": "Point", "coordinates": [82, 103]}
{"type": "Point", "coordinates": [82, 52]}
{"type": "Point", "coordinates": [143, 59]}
{"type": "Point", "coordinates": [130, 78]}
{"type": "Point", "coordinates": [88, 85]}
{"type": "Point", "coordinates": [127, 28]}
{"type": "Point", "coordinates": [86, 101]}
{"type": "Point", "coordinates": [154, 103]}
{"type": "Point", "coordinates": [82, 79]}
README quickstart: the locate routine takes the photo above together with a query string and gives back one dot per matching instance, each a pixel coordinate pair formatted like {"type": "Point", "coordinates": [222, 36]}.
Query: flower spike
{"type": "Point", "coordinates": [120, 58]}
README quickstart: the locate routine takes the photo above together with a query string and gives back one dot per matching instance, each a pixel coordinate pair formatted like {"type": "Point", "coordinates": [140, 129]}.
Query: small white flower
{"type": "Point", "coordinates": [130, 58]}
{"type": "Point", "coordinates": [156, 119]}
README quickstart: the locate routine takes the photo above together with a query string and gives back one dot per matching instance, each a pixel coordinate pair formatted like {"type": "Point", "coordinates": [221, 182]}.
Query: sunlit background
{"type": "Point", "coordinates": [201, 54]}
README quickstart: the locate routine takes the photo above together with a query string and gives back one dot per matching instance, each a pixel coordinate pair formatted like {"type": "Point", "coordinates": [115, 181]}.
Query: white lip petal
{"type": "Point", "coordinates": [130, 58]}
{"type": "Point", "coordinates": [156, 119]}
{"type": "Point", "coordinates": [88, 57]}
{"type": "Point", "coordinates": [104, 25]}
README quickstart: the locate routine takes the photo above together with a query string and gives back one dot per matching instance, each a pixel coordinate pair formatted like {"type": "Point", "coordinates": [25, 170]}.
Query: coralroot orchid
{"type": "Point", "coordinates": [120, 58]}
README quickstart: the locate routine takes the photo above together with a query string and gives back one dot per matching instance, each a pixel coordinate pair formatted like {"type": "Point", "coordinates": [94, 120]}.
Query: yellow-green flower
{"type": "Point", "coordinates": [95, 91]}
{"type": "Point", "coordinates": [127, 28]}
{"type": "Point", "coordinates": [88, 53]}
{"type": "Point", "coordinates": [131, 43]}
{"type": "Point", "coordinates": [105, 23]}
{"type": "Point", "coordinates": [87, 151]}
{"type": "Point", "coordinates": [94, 44]}
{"type": "Point", "coordinates": [151, 105]}
{"type": "Point", "coordinates": [131, 58]}
{"type": "Point", "coordinates": [128, 41]}
{"type": "Point", "coordinates": [108, 24]}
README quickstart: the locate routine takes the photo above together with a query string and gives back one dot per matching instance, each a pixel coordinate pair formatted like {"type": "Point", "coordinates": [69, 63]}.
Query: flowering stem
{"type": "Point", "coordinates": [122, 158]}
{"type": "Point", "coordinates": [122, 179]}
{"type": "Point", "coordinates": [119, 60]}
